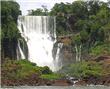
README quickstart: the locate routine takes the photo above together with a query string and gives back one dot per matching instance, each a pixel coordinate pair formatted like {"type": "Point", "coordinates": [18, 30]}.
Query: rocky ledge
{"type": "Point", "coordinates": [36, 82]}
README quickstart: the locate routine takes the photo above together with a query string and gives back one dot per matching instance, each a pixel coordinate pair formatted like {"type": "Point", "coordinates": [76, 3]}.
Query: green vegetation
{"type": "Point", "coordinates": [39, 11]}
{"type": "Point", "coordinates": [53, 76]}
{"type": "Point", "coordinates": [86, 69]}
{"type": "Point", "coordinates": [9, 32]}
{"type": "Point", "coordinates": [87, 20]}
{"type": "Point", "coordinates": [12, 69]}
{"type": "Point", "coordinates": [21, 69]}
{"type": "Point", "coordinates": [100, 49]}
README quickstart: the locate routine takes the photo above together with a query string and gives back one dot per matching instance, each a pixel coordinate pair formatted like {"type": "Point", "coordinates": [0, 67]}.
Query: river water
{"type": "Point", "coordinates": [60, 87]}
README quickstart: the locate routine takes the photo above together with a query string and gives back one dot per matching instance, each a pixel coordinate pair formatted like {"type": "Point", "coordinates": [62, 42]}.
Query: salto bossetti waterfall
{"type": "Point", "coordinates": [39, 33]}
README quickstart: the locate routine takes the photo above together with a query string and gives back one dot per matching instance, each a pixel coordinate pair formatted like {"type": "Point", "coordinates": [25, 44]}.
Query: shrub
{"type": "Point", "coordinates": [18, 69]}
{"type": "Point", "coordinates": [45, 70]}
{"type": "Point", "coordinates": [83, 69]}
{"type": "Point", "coordinates": [52, 76]}
{"type": "Point", "coordinates": [100, 49]}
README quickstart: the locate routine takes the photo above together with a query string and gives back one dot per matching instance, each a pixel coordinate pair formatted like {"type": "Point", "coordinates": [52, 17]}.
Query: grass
{"type": "Point", "coordinates": [52, 76]}
{"type": "Point", "coordinates": [20, 69]}
{"type": "Point", "coordinates": [83, 69]}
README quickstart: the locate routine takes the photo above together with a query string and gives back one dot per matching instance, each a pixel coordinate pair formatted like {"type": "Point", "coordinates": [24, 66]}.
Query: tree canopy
{"type": "Point", "coordinates": [9, 31]}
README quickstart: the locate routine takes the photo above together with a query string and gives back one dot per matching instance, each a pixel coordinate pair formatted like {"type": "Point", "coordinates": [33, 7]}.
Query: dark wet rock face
{"type": "Point", "coordinates": [67, 55]}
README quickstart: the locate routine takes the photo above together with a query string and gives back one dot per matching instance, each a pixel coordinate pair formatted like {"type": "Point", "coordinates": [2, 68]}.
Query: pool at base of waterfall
{"type": "Point", "coordinates": [61, 87]}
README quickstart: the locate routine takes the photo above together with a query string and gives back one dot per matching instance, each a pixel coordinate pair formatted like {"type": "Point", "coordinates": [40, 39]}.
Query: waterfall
{"type": "Point", "coordinates": [58, 63]}
{"type": "Point", "coordinates": [39, 33]}
{"type": "Point", "coordinates": [78, 52]}
{"type": "Point", "coordinates": [21, 55]}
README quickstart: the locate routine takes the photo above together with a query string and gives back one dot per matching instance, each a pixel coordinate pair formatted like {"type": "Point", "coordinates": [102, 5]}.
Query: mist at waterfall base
{"type": "Point", "coordinates": [39, 33]}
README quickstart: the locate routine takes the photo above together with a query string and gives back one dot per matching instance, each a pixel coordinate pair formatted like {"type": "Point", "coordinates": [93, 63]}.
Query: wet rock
{"type": "Point", "coordinates": [62, 83]}
{"type": "Point", "coordinates": [104, 80]}
{"type": "Point", "coordinates": [81, 82]}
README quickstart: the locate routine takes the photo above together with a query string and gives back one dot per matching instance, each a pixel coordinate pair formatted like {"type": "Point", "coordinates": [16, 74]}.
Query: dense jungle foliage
{"type": "Point", "coordinates": [9, 31]}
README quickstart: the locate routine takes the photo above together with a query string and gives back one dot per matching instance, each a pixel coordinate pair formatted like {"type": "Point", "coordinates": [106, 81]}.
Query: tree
{"type": "Point", "coordinates": [39, 11]}
{"type": "Point", "coordinates": [9, 32]}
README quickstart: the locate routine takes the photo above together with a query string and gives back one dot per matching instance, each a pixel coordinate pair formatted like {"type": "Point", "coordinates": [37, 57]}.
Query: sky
{"type": "Point", "coordinates": [26, 5]}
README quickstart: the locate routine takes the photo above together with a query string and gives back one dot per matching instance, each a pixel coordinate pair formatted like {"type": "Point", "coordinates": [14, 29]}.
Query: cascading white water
{"type": "Point", "coordinates": [78, 52]}
{"type": "Point", "coordinates": [40, 34]}
{"type": "Point", "coordinates": [21, 52]}
{"type": "Point", "coordinates": [58, 62]}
